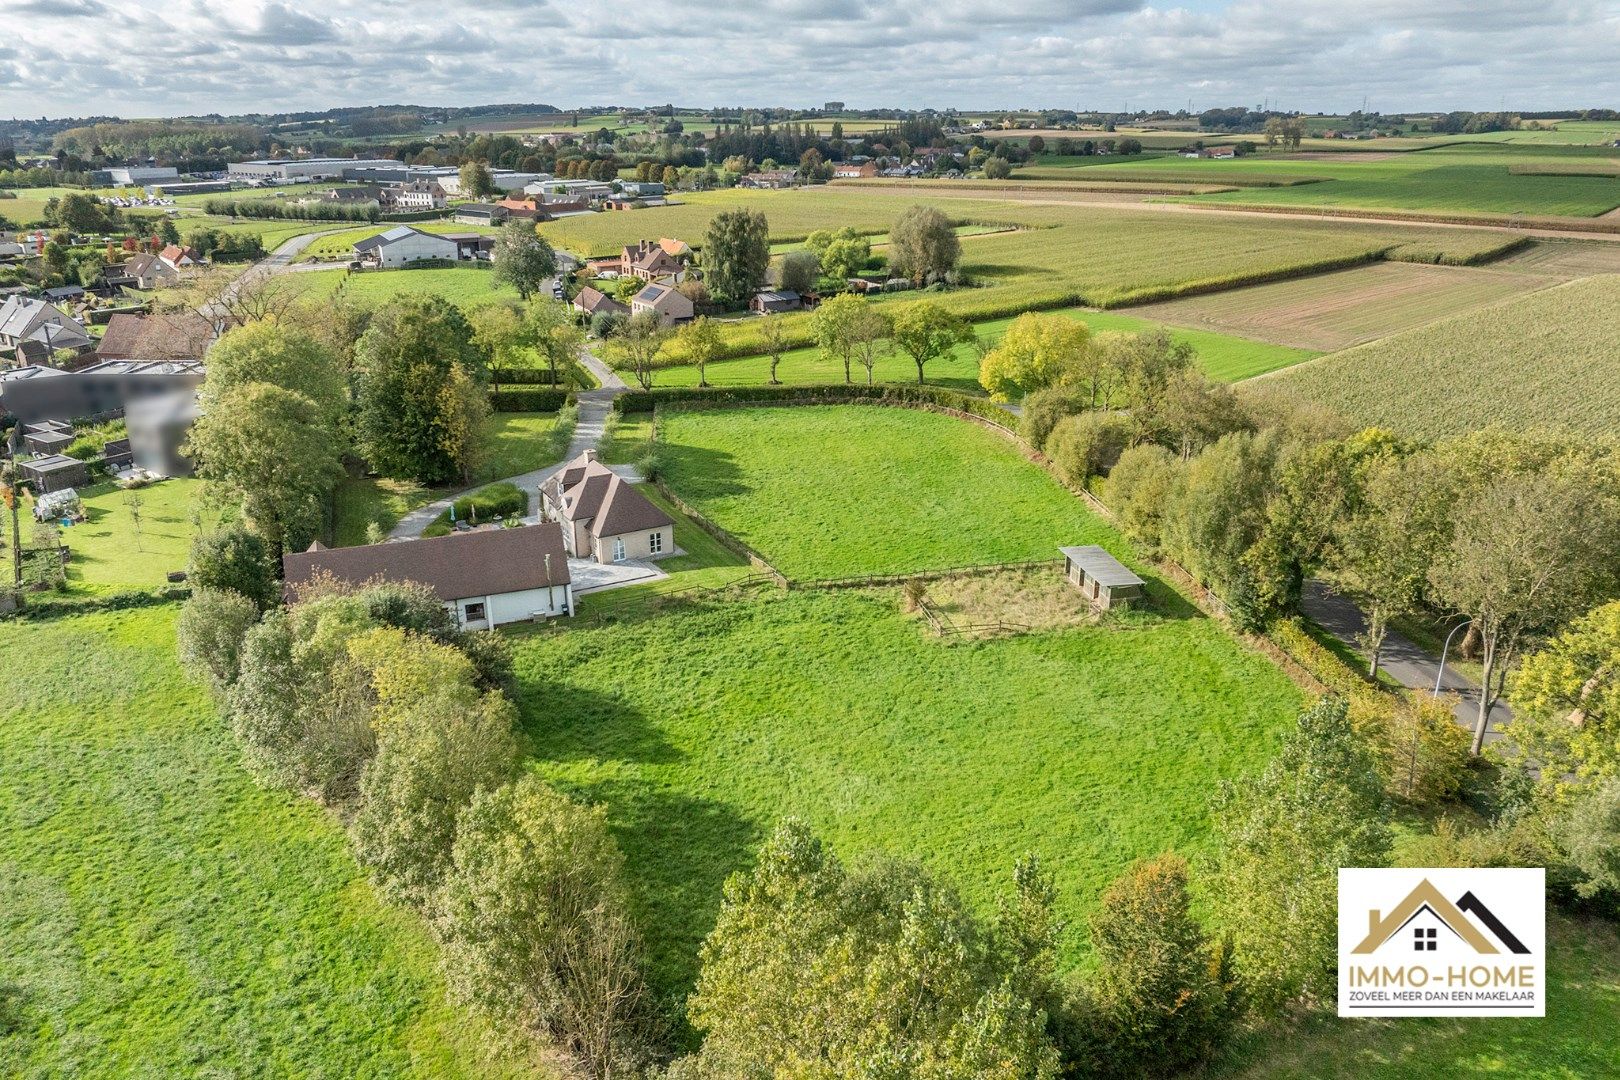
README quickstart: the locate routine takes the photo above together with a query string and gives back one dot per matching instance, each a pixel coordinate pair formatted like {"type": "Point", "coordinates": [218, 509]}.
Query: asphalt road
{"type": "Point", "coordinates": [1405, 662]}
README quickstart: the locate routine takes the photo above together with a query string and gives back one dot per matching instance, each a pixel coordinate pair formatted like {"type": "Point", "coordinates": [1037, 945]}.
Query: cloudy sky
{"type": "Point", "coordinates": [167, 57]}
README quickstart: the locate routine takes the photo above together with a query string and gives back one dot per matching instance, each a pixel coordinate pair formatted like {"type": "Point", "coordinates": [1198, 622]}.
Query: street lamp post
{"type": "Point", "coordinates": [1443, 650]}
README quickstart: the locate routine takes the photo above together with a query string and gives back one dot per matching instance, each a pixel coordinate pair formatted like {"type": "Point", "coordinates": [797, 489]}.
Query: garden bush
{"type": "Point", "coordinates": [528, 400]}
{"type": "Point", "coordinates": [483, 506]}
{"type": "Point", "coordinates": [1044, 408]}
{"type": "Point", "coordinates": [638, 401]}
{"type": "Point", "coordinates": [1088, 445]}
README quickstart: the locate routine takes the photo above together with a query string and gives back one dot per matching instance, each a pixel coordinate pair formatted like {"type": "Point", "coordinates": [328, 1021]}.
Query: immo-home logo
{"type": "Point", "coordinates": [1442, 942]}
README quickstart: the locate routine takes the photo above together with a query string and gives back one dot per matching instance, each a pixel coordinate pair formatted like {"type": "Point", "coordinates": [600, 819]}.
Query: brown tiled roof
{"type": "Point", "coordinates": [591, 492]}
{"type": "Point", "coordinates": [484, 562]}
{"type": "Point", "coordinates": [180, 336]}
{"type": "Point", "coordinates": [592, 300]}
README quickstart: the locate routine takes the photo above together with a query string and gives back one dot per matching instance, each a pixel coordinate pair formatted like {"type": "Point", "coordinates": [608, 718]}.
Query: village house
{"type": "Point", "coordinates": [602, 516]}
{"type": "Point", "coordinates": [528, 209]}
{"type": "Point", "coordinates": [414, 196]}
{"type": "Point", "coordinates": [142, 271]}
{"type": "Point", "coordinates": [403, 245]}
{"type": "Point", "coordinates": [176, 336]}
{"type": "Point", "coordinates": [663, 302]}
{"type": "Point", "coordinates": [177, 257]}
{"type": "Point", "coordinates": [592, 301]}
{"type": "Point", "coordinates": [649, 261]}
{"type": "Point", "coordinates": [485, 578]}
{"type": "Point", "coordinates": [770, 178]}
{"type": "Point", "coordinates": [850, 171]}
{"type": "Point", "coordinates": [35, 331]}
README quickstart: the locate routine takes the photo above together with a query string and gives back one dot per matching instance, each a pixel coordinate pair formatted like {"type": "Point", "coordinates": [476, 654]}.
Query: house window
{"type": "Point", "coordinates": [474, 612]}
{"type": "Point", "coordinates": [618, 549]}
{"type": "Point", "coordinates": [1423, 939]}
{"type": "Point", "coordinates": [655, 543]}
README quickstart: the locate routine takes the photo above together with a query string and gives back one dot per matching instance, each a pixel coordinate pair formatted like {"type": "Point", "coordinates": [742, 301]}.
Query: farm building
{"type": "Point", "coordinates": [402, 245]}
{"type": "Point", "coordinates": [54, 473]}
{"type": "Point", "coordinates": [486, 578]}
{"type": "Point", "coordinates": [1101, 578]}
{"type": "Point", "coordinates": [602, 516]}
{"type": "Point", "coordinates": [771, 301]}
{"type": "Point", "coordinates": [480, 214]}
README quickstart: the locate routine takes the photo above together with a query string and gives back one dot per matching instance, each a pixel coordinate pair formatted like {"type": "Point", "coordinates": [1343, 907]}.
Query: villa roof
{"type": "Point", "coordinates": [485, 562]}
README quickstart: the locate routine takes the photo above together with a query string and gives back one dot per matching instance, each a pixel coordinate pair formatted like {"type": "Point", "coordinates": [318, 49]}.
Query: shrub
{"type": "Point", "coordinates": [1139, 488]}
{"type": "Point", "coordinates": [806, 956]}
{"type": "Point", "coordinates": [237, 559]}
{"type": "Point", "coordinates": [640, 401]}
{"type": "Point", "coordinates": [534, 922]}
{"type": "Point", "coordinates": [440, 748]}
{"type": "Point", "coordinates": [1088, 445]}
{"type": "Point", "coordinates": [604, 324]}
{"type": "Point", "coordinates": [1162, 999]}
{"type": "Point", "coordinates": [1044, 408]}
{"type": "Point", "coordinates": [483, 506]}
{"type": "Point", "coordinates": [210, 632]}
{"type": "Point", "coordinates": [1589, 833]}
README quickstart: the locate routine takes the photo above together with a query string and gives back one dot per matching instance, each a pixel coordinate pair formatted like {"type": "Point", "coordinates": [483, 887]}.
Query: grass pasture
{"type": "Point", "coordinates": [1335, 311]}
{"type": "Point", "coordinates": [1221, 355]}
{"type": "Point", "coordinates": [162, 915]}
{"type": "Point", "coordinates": [465, 286]}
{"type": "Point", "coordinates": [835, 707]}
{"type": "Point", "coordinates": [845, 490]}
{"type": "Point", "coordinates": [1546, 359]}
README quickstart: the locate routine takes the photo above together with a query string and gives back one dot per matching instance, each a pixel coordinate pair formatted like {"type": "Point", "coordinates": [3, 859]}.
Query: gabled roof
{"type": "Point", "coordinates": [592, 300]}
{"type": "Point", "coordinates": [660, 297]}
{"type": "Point", "coordinates": [20, 314]}
{"type": "Point", "coordinates": [593, 494]}
{"type": "Point", "coordinates": [486, 562]}
{"type": "Point", "coordinates": [394, 236]}
{"type": "Point", "coordinates": [180, 336]}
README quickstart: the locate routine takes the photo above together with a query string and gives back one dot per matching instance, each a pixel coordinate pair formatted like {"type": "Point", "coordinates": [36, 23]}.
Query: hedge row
{"type": "Point", "coordinates": [521, 376]}
{"type": "Point", "coordinates": [528, 400]}
{"type": "Point", "coordinates": [637, 401]}
{"type": "Point", "coordinates": [1511, 221]}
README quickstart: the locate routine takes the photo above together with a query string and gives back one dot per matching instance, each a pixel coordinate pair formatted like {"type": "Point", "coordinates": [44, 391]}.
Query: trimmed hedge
{"type": "Point", "coordinates": [483, 506]}
{"type": "Point", "coordinates": [521, 376]}
{"type": "Point", "coordinates": [529, 400]}
{"type": "Point", "coordinates": [635, 401]}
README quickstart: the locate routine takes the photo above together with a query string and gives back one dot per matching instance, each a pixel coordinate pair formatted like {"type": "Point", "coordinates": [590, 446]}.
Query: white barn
{"type": "Point", "coordinates": [402, 245]}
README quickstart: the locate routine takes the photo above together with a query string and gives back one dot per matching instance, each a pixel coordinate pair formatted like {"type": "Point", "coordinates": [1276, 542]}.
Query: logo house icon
{"type": "Point", "coordinates": [1426, 912]}
{"type": "Point", "coordinates": [1442, 941]}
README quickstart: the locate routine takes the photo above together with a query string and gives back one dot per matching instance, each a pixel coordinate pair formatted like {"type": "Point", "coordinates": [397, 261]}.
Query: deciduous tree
{"type": "Point", "coordinates": [925, 332]}
{"type": "Point", "coordinates": [698, 343]}
{"type": "Point", "coordinates": [1037, 351]}
{"type": "Point", "coordinates": [736, 255]}
{"type": "Point", "coordinates": [522, 259]}
{"type": "Point", "coordinates": [923, 245]}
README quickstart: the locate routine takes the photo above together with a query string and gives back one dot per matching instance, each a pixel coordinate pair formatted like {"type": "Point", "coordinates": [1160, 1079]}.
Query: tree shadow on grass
{"type": "Point", "coordinates": [568, 722]}
{"type": "Point", "coordinates": [696, 472]}
{"type": "Point", "coordinates": [679, 849]}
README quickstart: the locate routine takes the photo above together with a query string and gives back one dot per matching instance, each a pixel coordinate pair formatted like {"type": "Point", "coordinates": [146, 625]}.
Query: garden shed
{"type": "Point", "coordinates": [54, 472]}
{"type": "Point", "coordinates": [1100, 577]}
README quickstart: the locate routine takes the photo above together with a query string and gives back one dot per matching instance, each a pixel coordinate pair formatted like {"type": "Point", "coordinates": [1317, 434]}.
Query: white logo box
{"type": "Point", "coordinates": [1442, 941]}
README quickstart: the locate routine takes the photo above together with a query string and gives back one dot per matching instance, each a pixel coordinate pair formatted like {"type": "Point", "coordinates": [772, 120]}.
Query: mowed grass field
{"type": "Point", "coordinates": [1333, 311]}
{"type": "Point", "coordinates": [700, 729]}
{"type": "Point", "coordinates": [466, 286]}
{"type": "Point", "coordinates": [110, 553]}
{"type": "Point", "coordinates": [844, 490]}
{"type": "Point", "coordinates": [1547, 359]}
{"type": "Point", "coordinates": [161, 915]}
{"type": "Point", "coordinates": [1222, 356]}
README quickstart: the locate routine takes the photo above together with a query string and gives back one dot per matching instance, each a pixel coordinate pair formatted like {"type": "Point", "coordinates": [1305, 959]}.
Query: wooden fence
{"type": "Point", "coordinates": [944, 626]}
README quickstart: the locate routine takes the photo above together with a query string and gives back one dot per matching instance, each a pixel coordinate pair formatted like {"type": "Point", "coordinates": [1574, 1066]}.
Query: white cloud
{"type": "Point", "coordinates": [166, 57]}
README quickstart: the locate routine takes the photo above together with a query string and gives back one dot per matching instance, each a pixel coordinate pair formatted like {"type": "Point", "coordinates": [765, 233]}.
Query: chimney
{"type": "Point", "coordinates": [590, 454]}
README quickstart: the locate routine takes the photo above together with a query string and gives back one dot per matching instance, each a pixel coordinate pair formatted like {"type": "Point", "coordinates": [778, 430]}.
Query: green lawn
{"type": "Point", "coordinates": [699, 730]}
{"type": "Point", "coordinates": [513, 443]}
{"type": "Point", "coordinates": [108, 553]}
{"type": "Point", "coordinates": [836, 491]}
{"type": "Point", "coordinates": [1222, 356]}
{"type": "Point", "coordinates": [464, 285]}
{"type": "Point", "coordinates": [1576, 1038]}
{"type": "Point", "coordinates": [706, 564]}
{"type": "Point", "coordinates": [160, 914]}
